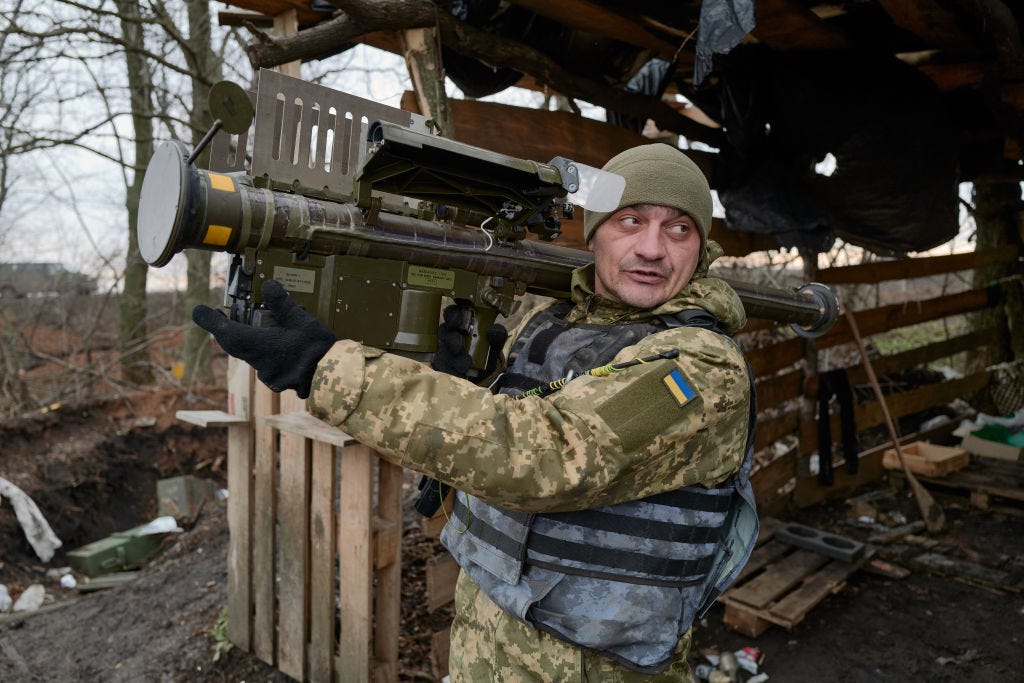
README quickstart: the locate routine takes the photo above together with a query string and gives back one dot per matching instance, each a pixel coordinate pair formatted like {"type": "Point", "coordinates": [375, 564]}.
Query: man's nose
{"type": "Point", "coordinates": [650, 242]}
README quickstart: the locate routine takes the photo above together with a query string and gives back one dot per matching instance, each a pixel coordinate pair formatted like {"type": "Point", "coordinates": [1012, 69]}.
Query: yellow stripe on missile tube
{"type": "Point", "coordinates": [221, 182]}
{"type": "Point", "coordinates": [217, 235]}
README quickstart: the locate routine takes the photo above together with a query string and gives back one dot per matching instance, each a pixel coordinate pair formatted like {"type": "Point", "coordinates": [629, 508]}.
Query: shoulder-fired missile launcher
{"type": "Point", "coordinates": [370, 222]}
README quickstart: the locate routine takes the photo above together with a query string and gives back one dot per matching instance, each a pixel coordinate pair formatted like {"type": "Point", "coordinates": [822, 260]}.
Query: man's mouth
{"type": "Point", "coordinates": [646, 276]}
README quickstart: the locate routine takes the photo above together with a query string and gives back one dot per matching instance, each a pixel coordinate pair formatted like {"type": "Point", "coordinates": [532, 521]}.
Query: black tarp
{"type": "Point", "coordinates": [895, 186]}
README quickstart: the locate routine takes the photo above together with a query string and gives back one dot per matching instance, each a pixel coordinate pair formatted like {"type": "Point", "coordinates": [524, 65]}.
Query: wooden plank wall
{"type": "Point", "coordinates": [782, 383]}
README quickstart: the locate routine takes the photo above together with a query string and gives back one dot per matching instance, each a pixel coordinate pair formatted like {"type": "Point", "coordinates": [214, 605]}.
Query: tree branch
{"type": "Point", "coordinates": [359, 17]}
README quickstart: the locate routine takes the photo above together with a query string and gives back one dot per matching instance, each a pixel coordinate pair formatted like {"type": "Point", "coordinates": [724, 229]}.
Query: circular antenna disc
{"type": "Point", "coordinates": [230, 103]}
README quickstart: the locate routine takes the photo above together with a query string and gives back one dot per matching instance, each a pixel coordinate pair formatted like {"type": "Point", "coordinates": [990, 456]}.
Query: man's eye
{"type": "Point", "coordinates": [629, 220]}
{"type": "Point", "coordinates": [677, 230]}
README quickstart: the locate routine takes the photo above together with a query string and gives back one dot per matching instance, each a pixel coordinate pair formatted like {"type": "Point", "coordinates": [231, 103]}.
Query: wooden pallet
{"type": "Point", "coordinates": [314, 563]}
{"type": "Point", "coordinates": [781, 584]}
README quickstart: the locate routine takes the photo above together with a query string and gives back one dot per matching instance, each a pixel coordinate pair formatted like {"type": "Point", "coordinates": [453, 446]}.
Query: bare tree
{"type": "Point", "coordinates": [134, 360]}
{"type": "Point", "coordinates": [205, 68]}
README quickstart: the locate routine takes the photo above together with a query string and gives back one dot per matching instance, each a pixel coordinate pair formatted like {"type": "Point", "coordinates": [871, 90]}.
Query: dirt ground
{"type": "Point", "coordinates": [92, 470]}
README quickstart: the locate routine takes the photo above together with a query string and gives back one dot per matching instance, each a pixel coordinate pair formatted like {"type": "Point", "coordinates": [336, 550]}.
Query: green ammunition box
{"type": "Point", "coordinates": [117, 552]}
{"type": "Point", "coordinates": [183, 497]}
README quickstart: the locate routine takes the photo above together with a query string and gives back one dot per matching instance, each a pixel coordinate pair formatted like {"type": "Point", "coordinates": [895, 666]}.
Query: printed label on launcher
{"type": "Point", "coordinates": [300, 280]}
{"type": "Point", "coordinates": [438, 278]}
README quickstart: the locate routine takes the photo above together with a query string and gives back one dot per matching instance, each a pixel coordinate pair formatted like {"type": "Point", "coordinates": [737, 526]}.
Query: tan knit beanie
{"type": "Point", "coordinates": [658, 174]}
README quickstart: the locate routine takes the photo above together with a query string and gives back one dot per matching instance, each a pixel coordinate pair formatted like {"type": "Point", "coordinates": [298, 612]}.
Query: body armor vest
{"type": "Point", "coordinates": [628, 579]}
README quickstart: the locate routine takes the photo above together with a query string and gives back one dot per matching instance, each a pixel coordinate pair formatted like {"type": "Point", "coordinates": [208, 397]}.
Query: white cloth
{"type": "Point", "coordinates": [37, 531]}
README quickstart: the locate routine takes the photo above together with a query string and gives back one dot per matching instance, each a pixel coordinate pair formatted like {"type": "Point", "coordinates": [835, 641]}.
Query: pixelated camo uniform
{"type": "Point", "coordinates": [597, 442]}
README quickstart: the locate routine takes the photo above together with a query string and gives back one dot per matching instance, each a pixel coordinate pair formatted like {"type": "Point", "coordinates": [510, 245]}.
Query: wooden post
{"type": "Point", "coordinates": [808, 403]}
{"type": "Point", "coordinates": [998, 214]}
{"type": "Point", "coordinates": [293, 547]}
{"type": "Point", "coordinates": [264, 514]}
{"type": "Point", "coordinates": [388, 561]}
{"type": "Point", "coordinates": [321, 564]}
{"type": "Point", "coordinates": [287, 24]}
{"type": "Point", "coordinates": [423, 60]}
{"type": "Point", "coordinates": [355, 562]}
{"type": "Point", "coordinates": [240, 451]}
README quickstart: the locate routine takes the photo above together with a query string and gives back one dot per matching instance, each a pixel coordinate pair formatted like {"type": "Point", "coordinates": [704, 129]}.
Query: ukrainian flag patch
{"type": "Point", "coordinates": [680, 389]}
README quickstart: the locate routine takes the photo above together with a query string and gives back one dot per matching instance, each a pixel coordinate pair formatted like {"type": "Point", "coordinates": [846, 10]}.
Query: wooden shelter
{"type": "Point", "coordinates": [303, 499]}
{"type": "Point", "coordinates": [815, 62]}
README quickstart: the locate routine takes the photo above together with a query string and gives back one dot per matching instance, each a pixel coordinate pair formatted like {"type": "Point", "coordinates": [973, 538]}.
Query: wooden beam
{"type": "Point", "coordinates": [887, 318]}
{"type": "Point", "coordinates": [772, 391]}
{"type": "Point", "coordinates": [592, 17]}
{"type": "Point", "coordinates": [271, 8]}
{"type": "Point", "coordinates": [244, 18]}
{"type": "Point", "coordinates": [926, 354]}
{"type": "Point", "coordinates": [390, 41]}
{"type": "Point", "coordinates": [771, 430]}
{"type": "Point", "coordinates": [541, 135]}
{"type": "Point", "coordinates": [359, 18]}
{"type": "Point", "coordinates": [691, 111]}
{"type": "Point", "coordinates": [777, 389]}
{"type": "Point", "coordinates": [931, 22]}
{"type": "Point", "coordinates": [771, 483]}
{"type": "Point", "coordinates": [788, 26]}
{"type": "Point", "coordinates": [958, 75]}
{"type": "Point", "coordinates": [770, 359]}
{"type": "Point", "coordinates": [907, 268]}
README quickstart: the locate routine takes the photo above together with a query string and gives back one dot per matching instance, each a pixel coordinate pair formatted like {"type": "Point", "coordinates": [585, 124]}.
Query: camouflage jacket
{"type": "Point", "coordinates": [598, 441]}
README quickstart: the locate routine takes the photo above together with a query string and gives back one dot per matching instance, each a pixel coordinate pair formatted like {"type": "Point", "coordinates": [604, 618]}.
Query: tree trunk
{"type": "Point", "coordinates": [135, 367]}
{"type": "Point", "coordinates": [205, 67]}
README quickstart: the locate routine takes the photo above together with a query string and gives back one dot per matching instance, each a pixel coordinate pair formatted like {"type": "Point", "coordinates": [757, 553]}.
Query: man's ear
{"type": "Point", "coordinates": [590, 243]}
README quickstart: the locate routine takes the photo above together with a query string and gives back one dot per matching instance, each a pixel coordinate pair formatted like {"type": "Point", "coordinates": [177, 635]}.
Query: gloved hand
{"type": "Point", "coordinates": [286, 356]}
{"type": "Point", "coordinates": [452, 357]}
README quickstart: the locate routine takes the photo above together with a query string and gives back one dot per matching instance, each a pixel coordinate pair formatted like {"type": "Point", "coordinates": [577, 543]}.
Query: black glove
{"type": "Point", "coordinates": [451, 357]}
{"type": "Point", "coordinates": [286, 356]}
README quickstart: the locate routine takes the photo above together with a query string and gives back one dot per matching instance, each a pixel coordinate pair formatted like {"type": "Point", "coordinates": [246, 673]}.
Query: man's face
{"type": "Point", "coordinates": [645, 254]}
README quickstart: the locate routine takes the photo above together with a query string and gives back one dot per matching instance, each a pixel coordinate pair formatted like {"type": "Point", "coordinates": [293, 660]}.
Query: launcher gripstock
{"type": "Point", "coordinates": [370, 222]}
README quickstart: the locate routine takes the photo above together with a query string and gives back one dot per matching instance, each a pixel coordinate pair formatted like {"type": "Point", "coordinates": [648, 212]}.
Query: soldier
{"type": "Point", "coordinates": [593, 524]}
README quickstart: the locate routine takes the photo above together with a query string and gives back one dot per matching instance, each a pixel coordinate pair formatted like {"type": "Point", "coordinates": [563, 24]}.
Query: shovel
{"type": "Point", "coordinates": [931, 512]}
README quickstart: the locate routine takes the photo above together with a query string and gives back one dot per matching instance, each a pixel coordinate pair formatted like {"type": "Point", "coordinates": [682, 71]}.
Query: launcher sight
{"type": "Point", "coordinates": [370, 222]}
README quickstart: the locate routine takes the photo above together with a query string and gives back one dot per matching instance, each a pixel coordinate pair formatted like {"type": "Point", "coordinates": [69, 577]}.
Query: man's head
{"type": "Point", "coordinates": [647, 250]}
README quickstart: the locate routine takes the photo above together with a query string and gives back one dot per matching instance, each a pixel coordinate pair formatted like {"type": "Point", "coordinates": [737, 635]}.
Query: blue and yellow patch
{"type": "Point", "coordinates": [680, 389]}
